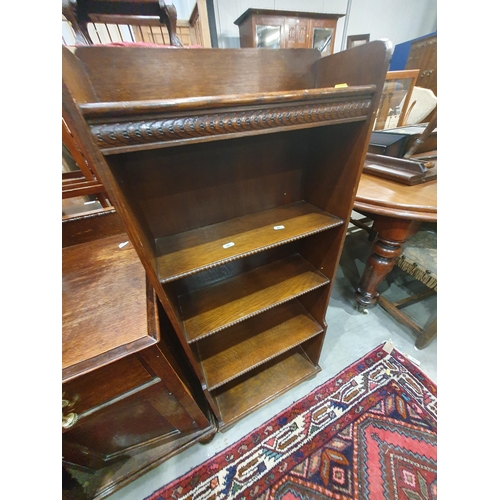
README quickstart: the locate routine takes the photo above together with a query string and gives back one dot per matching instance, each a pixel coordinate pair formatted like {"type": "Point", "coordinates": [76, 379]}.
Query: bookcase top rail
{"type": "Point", "coordinates": [100, 111]}
{"type": "Point", "coordinates": [157, 124]}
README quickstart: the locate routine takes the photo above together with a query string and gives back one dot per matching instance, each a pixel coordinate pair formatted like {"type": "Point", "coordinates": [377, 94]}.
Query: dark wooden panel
{"type": "Point", "coordinates": [232, 179]}
{"type": "Point", "coordinates": [86, 227]}
{"type": "Point", "coordinates": [228, 302]}
{"type": "Point", "coordinates": [238, 349]}
{"type": "Point", "coordinates": [228, 73]}
{"type": "Point", "coordinates": [367, 68]}
{"type": "Point", "coordinates": [100, 386]}
{"type": "Point", "coordinates": [130, 423]}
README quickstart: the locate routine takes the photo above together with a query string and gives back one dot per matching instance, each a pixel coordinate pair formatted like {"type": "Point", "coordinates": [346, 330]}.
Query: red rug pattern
{"type": "Point", "coordinates": [368, 433]}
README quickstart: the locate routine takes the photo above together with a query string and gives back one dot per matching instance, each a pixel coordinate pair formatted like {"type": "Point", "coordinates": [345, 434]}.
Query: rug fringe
{"type": "Point", "coordinates": [418, 272]}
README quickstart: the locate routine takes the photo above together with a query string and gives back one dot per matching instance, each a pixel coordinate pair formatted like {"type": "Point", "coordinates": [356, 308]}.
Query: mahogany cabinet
{"type": "Point", "coordinates": [234, 171]}
{"type": "Point", "coordinates": [276, 29]}
{"type": "Point", "coordinates": [127, 402]}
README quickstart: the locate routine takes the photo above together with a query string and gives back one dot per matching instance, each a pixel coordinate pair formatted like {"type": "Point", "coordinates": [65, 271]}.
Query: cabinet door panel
{"type": "Point", "coordinates": [143, 420]}
{"type": "Point", "coordinates": [104, 384]}
{"type": "Point", "coordinates": [297, 33]}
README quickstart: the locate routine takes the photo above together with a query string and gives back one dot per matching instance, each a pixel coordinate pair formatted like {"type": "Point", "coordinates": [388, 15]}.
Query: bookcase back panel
{"type": "Point", "coordinates": [138, 73]}
{"type": "Point", "coordinates": [179, 189]}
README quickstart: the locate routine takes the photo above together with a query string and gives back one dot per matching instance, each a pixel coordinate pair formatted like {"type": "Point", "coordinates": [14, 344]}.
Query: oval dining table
{"type": "Point", "coordinates": [397, 211]}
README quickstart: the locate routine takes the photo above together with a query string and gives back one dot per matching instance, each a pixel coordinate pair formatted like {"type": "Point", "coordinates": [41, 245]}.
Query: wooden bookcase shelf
{"type": "Point", "coordinates": [254, 389]}
{"type": "Point", "coordinates": [234, 185]}
{"type": "Point", "coordinates": [253, 342]}
{"type": "Point", "coordinates": [186, 253]}
{"type": "Point", "coordinates": [235, 299]}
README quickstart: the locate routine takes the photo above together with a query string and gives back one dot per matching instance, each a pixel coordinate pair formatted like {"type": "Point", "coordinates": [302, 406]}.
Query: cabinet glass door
{"type": "Point", "coordinates": [322, 40]}
{"type": "Point", "coordinates": [268, 37]}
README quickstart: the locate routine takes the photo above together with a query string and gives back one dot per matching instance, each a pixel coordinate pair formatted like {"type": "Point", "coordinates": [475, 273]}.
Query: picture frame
{"type": "Point", "coordinates": [355, 40]}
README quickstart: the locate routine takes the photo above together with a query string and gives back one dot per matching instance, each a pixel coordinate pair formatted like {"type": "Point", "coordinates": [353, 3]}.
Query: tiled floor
{"type": "Point", "coordinates": [350, 335]}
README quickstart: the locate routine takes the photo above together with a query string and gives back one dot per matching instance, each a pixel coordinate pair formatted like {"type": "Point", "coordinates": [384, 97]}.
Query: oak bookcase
{"type": "Point", "coordinates": [234, 172]}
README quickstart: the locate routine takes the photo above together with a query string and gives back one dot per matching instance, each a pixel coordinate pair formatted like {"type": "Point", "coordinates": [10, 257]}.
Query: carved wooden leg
{"type": "Point", "coordinates": [392, 233]}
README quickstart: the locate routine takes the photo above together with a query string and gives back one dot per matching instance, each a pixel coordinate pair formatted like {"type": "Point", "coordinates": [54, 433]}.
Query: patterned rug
{"type": "Point", "coordinates": [368, 433]}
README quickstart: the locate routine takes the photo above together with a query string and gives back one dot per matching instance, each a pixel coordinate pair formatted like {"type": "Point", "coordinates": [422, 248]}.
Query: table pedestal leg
{"type": "Point", "coordinates": [391, 234]}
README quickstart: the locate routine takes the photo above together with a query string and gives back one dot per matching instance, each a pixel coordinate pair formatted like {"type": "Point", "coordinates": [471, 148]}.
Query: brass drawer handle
{"type": "Point", "coordinates": [69, 420]}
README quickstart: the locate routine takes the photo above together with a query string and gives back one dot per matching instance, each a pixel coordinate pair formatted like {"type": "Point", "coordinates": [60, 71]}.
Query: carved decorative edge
{"type": "Point", "coordinates": [260, 311]}
{"type": "Point", "coordinates": [188, 127]}
{"type": "Point", "coordinates": [218, 263]}
{"type": "Point", "coordinates": [270, 358]}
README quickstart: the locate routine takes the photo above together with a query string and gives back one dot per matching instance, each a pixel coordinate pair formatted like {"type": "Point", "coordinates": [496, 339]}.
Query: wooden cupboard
{"type": "Point", "coordinates": [423, 56]}
{"type": "Point", "coordinates": [234, 171]}
{"type": "Point", "coordinates": [127, 402]}
{"type": "Point", "coordinates": [261, 28]}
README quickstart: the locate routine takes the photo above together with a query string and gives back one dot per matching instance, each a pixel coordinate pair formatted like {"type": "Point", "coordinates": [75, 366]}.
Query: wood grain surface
{"type": "Point", "coordinates": [228, 302]}
{"type": "Point", "coordinates": [238, 349]}
{"type": "Point", "coordinates": [199, 249]}
{"type": "Point", "coordinates": [250, 391]}
{"type": "Point", "coordinates": [104, 299]}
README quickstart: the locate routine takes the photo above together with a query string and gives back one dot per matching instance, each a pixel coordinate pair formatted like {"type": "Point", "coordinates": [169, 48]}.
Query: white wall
{"type": "Point", "coordinates": [397, 20]}
{"type": "Point", "coordinates": [184, 8]}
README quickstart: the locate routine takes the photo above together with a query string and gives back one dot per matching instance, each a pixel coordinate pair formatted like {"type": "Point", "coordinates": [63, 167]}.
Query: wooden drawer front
{"type": "Point", "coordinates": [100, 386]}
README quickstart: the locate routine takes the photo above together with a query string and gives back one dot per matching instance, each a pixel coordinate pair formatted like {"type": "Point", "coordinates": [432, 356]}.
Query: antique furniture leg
{"type": "Point", "coordinates": [392, 233]}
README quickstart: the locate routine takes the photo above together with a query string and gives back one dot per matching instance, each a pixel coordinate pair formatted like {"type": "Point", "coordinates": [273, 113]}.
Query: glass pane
{"type": "Point", "coordinates": [322, 40]}
{"type": "Point", "coordinates": [268, 37]}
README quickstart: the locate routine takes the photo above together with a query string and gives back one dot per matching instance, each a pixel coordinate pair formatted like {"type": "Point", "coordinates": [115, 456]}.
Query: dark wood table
{"type": "Point", "coordinates": [397, 211]}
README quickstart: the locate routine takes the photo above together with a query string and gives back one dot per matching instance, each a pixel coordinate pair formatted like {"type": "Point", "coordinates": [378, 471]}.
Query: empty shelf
{"type": "Point", "coordinates": [193, 251]}
{"type": "Point", "coordinates": [260, 386]}
{"type": "Point", "coordinates": [246, 345]}
{"type": "Point", "coordinates": [230, 301]}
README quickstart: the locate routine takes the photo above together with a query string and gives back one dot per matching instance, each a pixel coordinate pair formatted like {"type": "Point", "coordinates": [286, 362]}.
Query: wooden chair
{"type": "Point", "coordinates": [418, 259]}
{"type": "Point", "coordinates": [395, 98]}
{"type": "Point", "coordinates": [150, 13]}
{"type": "Point", "coordinates": [79, 179]}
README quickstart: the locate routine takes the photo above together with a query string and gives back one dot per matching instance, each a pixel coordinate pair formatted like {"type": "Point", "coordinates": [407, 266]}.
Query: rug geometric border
{"type": "Point", "coordinates": [250, 468]}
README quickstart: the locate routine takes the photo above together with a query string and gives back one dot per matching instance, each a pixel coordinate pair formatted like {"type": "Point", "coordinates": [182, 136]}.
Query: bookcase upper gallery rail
{"type": "Point", "coordinates": [170, 122]}
{"type": "Point", "coordinates": [102, 109]}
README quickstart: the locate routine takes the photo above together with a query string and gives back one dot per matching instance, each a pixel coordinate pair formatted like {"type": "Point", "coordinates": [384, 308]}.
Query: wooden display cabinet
{"type": "Point", "coordinates": [274, 29]}
{"type": "Point", "coordinates": [234, 171]}
{"type": "Point", "coordinates": [423, 56]}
